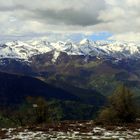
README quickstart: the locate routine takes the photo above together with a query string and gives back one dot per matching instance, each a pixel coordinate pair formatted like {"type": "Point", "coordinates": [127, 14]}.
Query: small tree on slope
{"type": "Point", "coordinates": [121, 108]}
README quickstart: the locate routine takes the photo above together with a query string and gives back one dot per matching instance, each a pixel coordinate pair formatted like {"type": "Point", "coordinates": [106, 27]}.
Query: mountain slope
{"type": "Point", "coordinates": [15, 88]}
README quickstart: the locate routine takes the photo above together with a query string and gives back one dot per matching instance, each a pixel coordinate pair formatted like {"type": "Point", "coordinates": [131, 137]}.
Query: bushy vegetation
{"type": "Point", "coordinates": [34, 110]}
{"type": "Point", "coordinates": [121, 108]}
{"type": "Point", "coordinates": [37, 110]}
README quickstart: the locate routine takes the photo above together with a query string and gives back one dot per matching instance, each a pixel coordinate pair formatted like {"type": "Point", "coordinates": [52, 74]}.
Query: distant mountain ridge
{"type": "Point", "coordinates": [101, 49]}
{"type": "Point", "coordinates": [99, 65]}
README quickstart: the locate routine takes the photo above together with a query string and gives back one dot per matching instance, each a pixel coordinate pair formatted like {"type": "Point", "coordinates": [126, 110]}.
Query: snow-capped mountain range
{"type": "Point", "coordinates": [25, 50]}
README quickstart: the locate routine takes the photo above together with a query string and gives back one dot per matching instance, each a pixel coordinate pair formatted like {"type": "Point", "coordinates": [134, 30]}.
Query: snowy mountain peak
{"type": "Point", "coordinates": [15, 43]}
{"type": "Point", "coordinates": [84, 41]}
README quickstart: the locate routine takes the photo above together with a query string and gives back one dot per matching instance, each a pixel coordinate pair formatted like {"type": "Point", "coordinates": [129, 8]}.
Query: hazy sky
{"type": "Point", "coordinates": [63, 19]}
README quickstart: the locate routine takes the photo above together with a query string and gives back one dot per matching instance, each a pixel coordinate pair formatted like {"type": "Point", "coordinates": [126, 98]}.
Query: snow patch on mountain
{"type": "Point", "coordinates": [55, 56]}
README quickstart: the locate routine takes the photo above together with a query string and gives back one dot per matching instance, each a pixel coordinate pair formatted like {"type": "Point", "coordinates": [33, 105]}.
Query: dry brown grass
{"type": "Point", "coordinates": [3, 134]}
